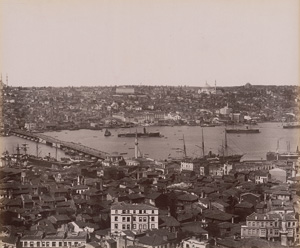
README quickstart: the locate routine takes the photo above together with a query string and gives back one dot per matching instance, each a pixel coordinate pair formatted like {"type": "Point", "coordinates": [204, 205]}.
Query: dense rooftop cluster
{"type": "Point", "coordinates": [144, 203]}
{"type": "Point", "coordinates": [90, 107]}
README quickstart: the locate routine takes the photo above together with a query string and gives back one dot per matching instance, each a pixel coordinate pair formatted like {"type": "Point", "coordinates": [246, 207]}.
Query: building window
{"type": "Point", "coordinates": [145, 226]}
{"type": "Point", "coordinates": [25, 244]}
{"type": "Point", "coordinates": [128, 218]}
{"type": "Point", "coordinates": [140, 211]}
{"type": "Point", "coordinates": [152, 211]}
{"type": "Point", "coordinates": [60, 243]}
{"type": "Point", "coordinates": [53, 244]}
{"type": "Point", "coordinates": [289, 224]}
{"type": "Point", "coordinates": [144, 211]}
{"type": "Point", "coordinates": [134, 218]}
{"type": "Point", "coordinates": [38, 244]}
{"type": "Point", "coordinates": [140, 219]}
{"type": "Point", "coordinates": [123, 227]}
{"type": "Point", "coordinates": [276, 232]}
{"type": "Point", "coordinates": [141, 226]}
{"type": "Point", "coordinates": [65, 244]}
{"type": "Point", "coordinates": [124, 212]}
{"type": "Point", "coordinates": [116, 226]}
{"type": "Point", "coordinates": [134, 211]}
{"type": "Point", "coordinates": [152, 218]}
{"type": "Point", "coordinates": [116, 218]}
{"type": "Point", "coordinates": [43, 244]}
{"type": "Point", "coordinates": [128, 226]}
{"type": "Point", "coordinates": [145, 219]}
{"type": "Point", "coordinates": [123, 219]}
{"type": "Point", "coordinates": [152, 226]}
{"type": "Point", "coordinates": [134, 226]}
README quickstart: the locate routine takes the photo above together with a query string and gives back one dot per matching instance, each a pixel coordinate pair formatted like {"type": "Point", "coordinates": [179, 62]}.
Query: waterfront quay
{"type": "Point", "coordinates": [59, 144]}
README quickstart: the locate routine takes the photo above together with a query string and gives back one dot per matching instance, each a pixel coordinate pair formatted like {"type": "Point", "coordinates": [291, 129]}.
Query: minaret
{"type": "Point", "coordinates": [136, 147]}
{"type": "Point", "coordinates": [215, 86]}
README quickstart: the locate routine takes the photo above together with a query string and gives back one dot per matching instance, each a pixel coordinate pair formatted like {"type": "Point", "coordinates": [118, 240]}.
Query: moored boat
{"type": "Point", "coordinates": [107, 133]}
{"type": "Point", "coordinates": [291, 125]}
{"type": "Point", "coordinates": [143, 134]}
{"type": "Point", "coordinates": [46, 161]}
{"type": "Point", "coordinates": [242, 130]}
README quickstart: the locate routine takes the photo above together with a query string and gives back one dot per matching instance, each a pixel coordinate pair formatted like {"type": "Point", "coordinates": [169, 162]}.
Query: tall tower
{"type": "Point", "coordinates": [6, 79]}
{"type": "Point", "coordinates": [215, 86]}
{"type": "Point", "coordinates": [136, 147]}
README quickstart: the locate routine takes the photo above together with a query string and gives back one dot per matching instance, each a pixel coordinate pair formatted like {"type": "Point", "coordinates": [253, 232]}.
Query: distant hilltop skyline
{"type": "Point", "coordinates": [203, 85]}
{"type": "Point", "coordinates": [213, 84]}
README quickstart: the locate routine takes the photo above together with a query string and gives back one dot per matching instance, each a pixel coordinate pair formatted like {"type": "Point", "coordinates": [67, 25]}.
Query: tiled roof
{"type": "Point", "coordinates": [125, 206]}
{"type": "Point", "coordinates": [154, 240]}
{"type": "Point", "coordinates": [194, 227]}
{"type": "Point", "coordinates": [187, 197]}
{"type": "Point", "coordinates": [271, 216]}
{"type": "Point", "coordinates": [244, 205]}
{"type": "Point", "coordinates": [169, 221]}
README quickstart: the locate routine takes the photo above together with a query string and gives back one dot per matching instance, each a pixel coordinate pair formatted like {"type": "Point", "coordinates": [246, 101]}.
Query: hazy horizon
{"type": "Point", "coordinates": [148, 85]}
{"type": "Point", "coordinates": [140, 42]}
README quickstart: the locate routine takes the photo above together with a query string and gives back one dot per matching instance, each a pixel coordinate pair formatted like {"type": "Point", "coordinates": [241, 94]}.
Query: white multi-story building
{"type": "Point", "coordinates": [272, 226]}
{"type": "Point", "coordinates": [135, 217]}
{"type": "Point", "coordinates": [124, 90]}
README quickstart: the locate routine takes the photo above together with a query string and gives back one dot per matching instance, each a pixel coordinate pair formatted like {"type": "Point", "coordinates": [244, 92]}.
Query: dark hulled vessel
{"type": "Point", "coordinates": [143, 134]}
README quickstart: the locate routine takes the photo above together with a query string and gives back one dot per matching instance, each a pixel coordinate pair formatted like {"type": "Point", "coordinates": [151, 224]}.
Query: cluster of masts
{"type": "Point", "coordinates": [224, 146]}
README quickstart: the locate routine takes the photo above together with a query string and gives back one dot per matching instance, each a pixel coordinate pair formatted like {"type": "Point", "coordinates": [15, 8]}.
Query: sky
{"type": "Point", "coordinates": [149, 42]}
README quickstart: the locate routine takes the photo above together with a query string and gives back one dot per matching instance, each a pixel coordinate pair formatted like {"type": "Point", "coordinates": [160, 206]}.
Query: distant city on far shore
{"type": "Point", "coordinates": [55, 108]}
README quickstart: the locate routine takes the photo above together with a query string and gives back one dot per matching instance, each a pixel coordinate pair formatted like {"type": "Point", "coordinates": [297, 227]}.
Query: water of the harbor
{"type": "Point", "coordinates": [253, 146]}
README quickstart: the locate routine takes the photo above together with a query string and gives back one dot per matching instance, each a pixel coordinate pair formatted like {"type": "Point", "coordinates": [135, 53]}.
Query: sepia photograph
{"type": "Point", "coordinates": [149, 124]}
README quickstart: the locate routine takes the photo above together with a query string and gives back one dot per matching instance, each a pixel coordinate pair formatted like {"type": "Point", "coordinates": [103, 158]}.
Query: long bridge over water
{"type": "Point", "coordinates": [50, 141]}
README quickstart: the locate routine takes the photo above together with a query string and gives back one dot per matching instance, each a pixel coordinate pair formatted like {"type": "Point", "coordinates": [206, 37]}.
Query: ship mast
{"type": "Point", "coordinates": [226, 145]}
{"type": "Point", "coordinates": [25, 148]}
{"type": "Point", "coordinates": [277, 150]}
{"type": "Point", "coordinates": [56, 151]}
{"type": "Point", "coordinates": [136, 151]}
{"type": "Point", "coordinates": [184, 147]}
{"type": "Point", "coordinates": [203, 152]}
{"type": "Point", "coordinates": [288, 147]}
{"type": "Point", "coordinates": [18, 151]}
{"type": "Point", "coordinates": [37, 149]}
